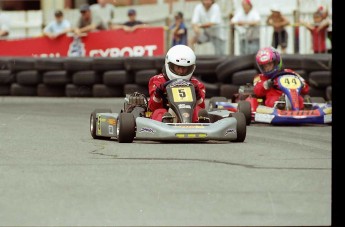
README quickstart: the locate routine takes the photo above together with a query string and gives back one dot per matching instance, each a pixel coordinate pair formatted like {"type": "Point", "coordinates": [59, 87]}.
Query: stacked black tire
{"type": "Point", "coordinates": [115, 77]}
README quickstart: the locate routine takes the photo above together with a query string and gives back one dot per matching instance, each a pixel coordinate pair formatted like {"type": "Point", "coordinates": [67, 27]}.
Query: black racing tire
{"type": "Point", "coordinates": [213, 100]}
{"type": "Point", "coordinates": [4, 61]}
{"type": "Point", "coordinates": [49, 64]}
{"type": "Point", "coordinates": [143, 77]}
{"type": "Point", "coordinates": [159, 63]}
{"type": "Point", "coordinates": [228, 90]}
{"type": "Point", "coordinates": [73, 90]}
{"type": "Point", "coordinates": [75, 64]}
{"type": "Point", "coordinates": [317, 92]}
{"type": "Point", "coordinates": [244, 76]}
{"type": "Point", "coordinates": [135, 64]}
{"type": "Point", "coordinates": [126, 128]}
{"type": "Point", "coordinates": [6, 77]}
{"type": "Point", "coordinates": [228, 67]}
{"type": "Point", "coordinates": [87, 77]}
{"type": "Point", "coordinates": [103, 64]}
{"type": "Point", "coordinates": [5, 90]}
{"type": "Point", "coordinates": [320, 79]}
{"type": "Point", "coordinates": [93, 121]}
{"type": "Point", "coordinates": [50, 91]}
{"type": "Point", "coordinates": [115, 78]}
{"type": "Point", "coordinates": [316, 62]}
{"type": "Point", "coordinates": [23, 90]}
{"type": "Point", "coordinates": [21, 64]}
{"type": "Point", "coordinates": [246, 108]}
{"type": "Point", "coordinates": [241, 127]}
{"type": "Point", "coordinates": [57, 78]}
{"type": "Point", "coordinates": [102, 90]}
{"type": "Point", "coordinates": [29, 77]}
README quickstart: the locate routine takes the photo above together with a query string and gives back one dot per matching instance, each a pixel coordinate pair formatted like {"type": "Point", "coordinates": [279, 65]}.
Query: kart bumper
{"type": "Point", "coordinates": [148, 129]}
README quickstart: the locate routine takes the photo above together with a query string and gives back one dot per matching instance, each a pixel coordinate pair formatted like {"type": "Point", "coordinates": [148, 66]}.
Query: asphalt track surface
{"type": "Point", "coordinates": [52, 173]}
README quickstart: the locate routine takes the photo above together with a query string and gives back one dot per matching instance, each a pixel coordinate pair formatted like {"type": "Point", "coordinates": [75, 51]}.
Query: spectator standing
{"type": "Point", "coordinates": [247, 22]}
{"type": "Point", "coordinates": [318, 30]}
{"type": "Point", "coordinates": [132, 24]}
{"type": "Point", "coordinates": [4, 26]}
{"type": "Point", "coordinates": [179, 30]}
{"type": "Point", "coordinates": [327, 19]}
{"type": "Point", "coordinates": [105, 10]}
{"type": "Point", "coordinates": [88, 21]}
{"type": "Point", "coordinates": [280, 35]}
{"type": "Point", "coordinates": [59, 26]}
{"type": "Point", "coordinates": [207, 24]}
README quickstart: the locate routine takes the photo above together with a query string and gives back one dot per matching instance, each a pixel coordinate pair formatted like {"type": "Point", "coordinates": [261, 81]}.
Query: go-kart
{"type": "Point", "coordinates": [135, 122]}
{"type": "Point", "coordinates": [285, 111]}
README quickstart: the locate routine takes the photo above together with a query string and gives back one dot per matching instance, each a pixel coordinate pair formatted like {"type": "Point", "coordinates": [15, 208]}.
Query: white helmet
{"type": "Point", "coordinates": [183, 57]}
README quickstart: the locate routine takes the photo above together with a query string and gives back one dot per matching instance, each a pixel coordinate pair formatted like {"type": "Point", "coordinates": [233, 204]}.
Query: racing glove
{"type": "Point", "coordinates": [159, 92]}
{"type": "Point", "coordinates": [268, 84]}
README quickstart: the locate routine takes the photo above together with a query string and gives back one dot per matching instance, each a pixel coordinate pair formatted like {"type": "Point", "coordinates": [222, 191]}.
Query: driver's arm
{"type": "Point", "coordinates": [202, 92]}
{"type": "Point", "coordinates": [259, 89]}
{"type": "Point", "coordinates": [154, 102]}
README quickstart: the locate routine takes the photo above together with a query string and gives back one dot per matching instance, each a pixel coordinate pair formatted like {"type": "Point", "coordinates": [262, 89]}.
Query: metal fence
{"type": "Point", "coordinates": [31, 23]}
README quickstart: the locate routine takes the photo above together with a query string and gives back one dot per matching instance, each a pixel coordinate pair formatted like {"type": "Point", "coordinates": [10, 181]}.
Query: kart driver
{"type": "Point", "coordinates": [179, 63]}
{"type": "Point", "coordinates": [270, 64]}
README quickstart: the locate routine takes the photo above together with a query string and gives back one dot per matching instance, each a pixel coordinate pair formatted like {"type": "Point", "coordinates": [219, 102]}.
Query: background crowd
{"type": "Point", "coordinates": [207, 26]}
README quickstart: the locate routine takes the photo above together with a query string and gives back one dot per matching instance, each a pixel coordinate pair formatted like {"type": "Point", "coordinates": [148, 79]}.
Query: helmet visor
{"type": "Point", "coordinates": [267, 68]}
{"type": "Point", "coordinates": [181, 70]}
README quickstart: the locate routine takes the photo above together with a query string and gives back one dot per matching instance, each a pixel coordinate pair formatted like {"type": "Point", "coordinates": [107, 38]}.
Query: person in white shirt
{"type": "Point", "coordinates": [4, 26]}
{"type": "Point", "coordinates": [105, 10]}
{"type": "Point", "coordinates": [208, 26]}
{"type": "Point", "coordinates": [247, 24]}
{"type": "Point", "coordinates": [58, 27]}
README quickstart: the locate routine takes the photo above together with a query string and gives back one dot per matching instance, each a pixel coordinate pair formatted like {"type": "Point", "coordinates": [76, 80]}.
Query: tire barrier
{"type": "Point", "coordinates": [115, 77]}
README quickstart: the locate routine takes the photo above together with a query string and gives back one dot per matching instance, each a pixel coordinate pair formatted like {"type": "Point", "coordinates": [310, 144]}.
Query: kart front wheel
{"type": "Point", "coordinates": [241, 126]}
{"type": "Point", "coordinates": [126, 128]}
{"type": "Point", "coordinates": [246, 109]}
{"type": "Point", "coordinates": [93, 122]}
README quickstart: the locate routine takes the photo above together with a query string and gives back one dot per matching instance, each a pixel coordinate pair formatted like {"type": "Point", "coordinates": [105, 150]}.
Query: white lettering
{"type": "Point", "coordinates": [43, 55]}
{"type": "Point", "coordinates": [150, 49]}
{"type": "Point", "coordinates": [126, 49]}
{"type": "Point", "coordinates": [136, 51]}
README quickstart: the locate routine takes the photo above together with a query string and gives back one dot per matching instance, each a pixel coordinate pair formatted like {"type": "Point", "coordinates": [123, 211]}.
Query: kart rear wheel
{"type": "Point", "coordinates": [93, 121]}
{"type": "Point", "coordinates": [213, 100]}
{"type": "Point", "coordinates": [246, 109]}
{"type": "Point", "coordinates": [126, 128]}
{"type": "Point", "coordinates": [241, 126]}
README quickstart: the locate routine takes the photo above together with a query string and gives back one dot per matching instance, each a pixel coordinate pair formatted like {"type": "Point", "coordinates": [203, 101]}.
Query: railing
{"type": "Point", "coordinates": [31, 23]}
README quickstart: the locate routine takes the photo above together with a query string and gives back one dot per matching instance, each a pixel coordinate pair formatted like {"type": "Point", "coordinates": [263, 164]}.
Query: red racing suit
{"type": "Point", "coordinates": [159, 107]}
{"type": "Point", "coordinates": [272, 94]}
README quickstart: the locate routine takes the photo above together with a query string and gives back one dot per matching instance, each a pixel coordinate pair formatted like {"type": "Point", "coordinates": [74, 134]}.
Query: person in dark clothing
{"type": "Point", "coordinates": [132, 24]}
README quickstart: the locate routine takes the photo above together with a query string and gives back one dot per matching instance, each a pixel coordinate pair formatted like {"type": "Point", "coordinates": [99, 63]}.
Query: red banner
{"type": "Point", "coordinates": [110, 43]}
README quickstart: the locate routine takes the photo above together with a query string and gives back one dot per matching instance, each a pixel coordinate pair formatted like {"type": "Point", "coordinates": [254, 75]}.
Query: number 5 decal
{"type": "Point", "coordinates": [182, 94]}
